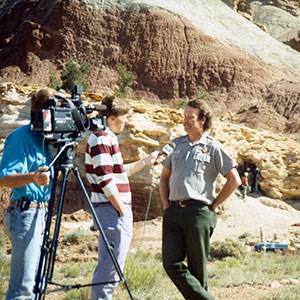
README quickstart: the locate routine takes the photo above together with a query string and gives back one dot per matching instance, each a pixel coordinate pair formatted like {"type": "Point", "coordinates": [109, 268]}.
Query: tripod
{"type": "Point", "coordinates": [63, 162]}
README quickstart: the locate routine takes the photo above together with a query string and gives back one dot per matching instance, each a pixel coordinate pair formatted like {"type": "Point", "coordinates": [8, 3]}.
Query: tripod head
{"type": "Point", "coordinates": [65, 154]}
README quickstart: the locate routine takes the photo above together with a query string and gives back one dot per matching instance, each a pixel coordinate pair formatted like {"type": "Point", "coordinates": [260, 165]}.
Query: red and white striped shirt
{"type": "Point", "coordinates": [105, 170]}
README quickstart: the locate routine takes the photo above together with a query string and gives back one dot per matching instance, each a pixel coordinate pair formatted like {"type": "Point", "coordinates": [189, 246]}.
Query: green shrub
{"type": "Point", "coordinates": [201, 93]}
{"type": "Point", "coordinates": [75, 74]}
{"type": "Point", "coordinates": [79, 294]}
{"type": "Point", "coordinates": [245, 235]}
{"type": "Point", "coordinates": [75, 237]}
{"type": "Point", "coordinates": [125, 81]}
{"type": "Point", "coordinates": [54, 82]}
{"type": "Point", "coordinates": [182, 102]}
{"type": "Point", "coordinates": [146, 279]}
{"type": "Point", "coordinates": [227, 248]}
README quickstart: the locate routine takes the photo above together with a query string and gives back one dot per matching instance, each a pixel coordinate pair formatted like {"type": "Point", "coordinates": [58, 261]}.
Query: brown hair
{"type": "Point", "coordinates": [204, 111]}
{"type": "Point", "coordinates": [115, 107]}
{"type": "Point", "coordinates": [40, 97]}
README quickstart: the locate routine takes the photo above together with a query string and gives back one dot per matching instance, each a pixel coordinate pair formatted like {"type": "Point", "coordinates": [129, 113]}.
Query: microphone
{"type": "Point", "coordinates": [166, 151]}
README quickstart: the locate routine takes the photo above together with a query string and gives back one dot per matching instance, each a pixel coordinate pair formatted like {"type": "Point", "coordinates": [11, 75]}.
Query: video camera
{"type": "Point", "coordinates": [64, 119]}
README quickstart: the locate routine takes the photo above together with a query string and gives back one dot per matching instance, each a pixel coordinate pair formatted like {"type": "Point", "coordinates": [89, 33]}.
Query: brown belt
{"type": "Point", "coordinates": [96, 204]}
{"type": "Point", "coordinates": [25, 206]}
{"type": "Point", "coordinates": [188, 202]}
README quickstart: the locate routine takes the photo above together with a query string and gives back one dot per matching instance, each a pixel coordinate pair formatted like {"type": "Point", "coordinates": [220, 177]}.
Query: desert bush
{"type": "Point", "coordinates": [71, 270]}
{"type": "Point", "coordinates": [79, 294]}
{"type": "Point", "coordinates": [75, 74]}
{"type": "Point", "coordinates": [201, 93]}
{"type": "Point", "coordinates": [182, 103]}
{"type": "Point", "coordinates": [76, 237]}
{"type": "Point", "coordinates": [125, 81]}
{"type": "Point", "coordinates": [147, 279]}
{"type": "Point", "coordinates": [54, 82]}
{"type": "Point", "coordinates": [254, 269]}
{"type": "Point", "coordinates": [228, 248]}
{"type": "Point", "coordinates": [245, 235]}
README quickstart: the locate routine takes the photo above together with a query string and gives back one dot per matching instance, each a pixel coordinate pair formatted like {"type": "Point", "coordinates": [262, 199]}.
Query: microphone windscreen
{"type": "Point", "coordinates": [169, 148]}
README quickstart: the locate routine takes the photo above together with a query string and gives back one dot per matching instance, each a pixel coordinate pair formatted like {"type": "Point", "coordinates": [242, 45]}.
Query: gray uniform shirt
{"type": "Point", "coordinates": [195, 167]}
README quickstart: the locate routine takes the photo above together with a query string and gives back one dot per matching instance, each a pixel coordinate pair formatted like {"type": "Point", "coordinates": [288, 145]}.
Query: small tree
{"type": "Point", "coordinates": [125, 80]}
{"type": "Point", "coordinates": [201, 93]}
{"type": "Point", "coordinates": [75, 74]}
{"type": "Point", "coordinates": [54, 82]}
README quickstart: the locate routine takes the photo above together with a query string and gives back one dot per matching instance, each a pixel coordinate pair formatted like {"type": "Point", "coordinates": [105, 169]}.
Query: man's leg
{"type": "Point", "coordinates": [118, 232]}
{"type": "Point", "coordinates": [179, 226]}
{"type": "Point", "coordinates": [199, 224]}
{"type": "Point", "coordinates": [27, 229]}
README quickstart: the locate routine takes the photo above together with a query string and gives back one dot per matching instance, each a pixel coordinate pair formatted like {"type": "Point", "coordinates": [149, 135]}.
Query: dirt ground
{"type": "Point", "coordinates": [257, 217]}
{"type": "Point", "coordinates": [260, 218]}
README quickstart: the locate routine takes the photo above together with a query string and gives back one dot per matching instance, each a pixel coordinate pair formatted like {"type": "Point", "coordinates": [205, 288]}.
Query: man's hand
{"type": "Point", "coordinates": [154, 158]}
{"type": "Point", "coordinates": [41, 177]}
{"type": "Point", "coordinates": [150, 159]}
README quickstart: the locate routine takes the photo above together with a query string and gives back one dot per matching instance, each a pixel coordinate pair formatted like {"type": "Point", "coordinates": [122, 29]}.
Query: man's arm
{"type": "Point", "coordinates": [117, 204]}
{"type": "Point", "coordinates": [41, 177]}
{"type": "Point", "coordinates": [232, 183]}
{"type": "Point", "coordinates": [139, 165]}
{"type": "Point", "coordinates": [164, 188]}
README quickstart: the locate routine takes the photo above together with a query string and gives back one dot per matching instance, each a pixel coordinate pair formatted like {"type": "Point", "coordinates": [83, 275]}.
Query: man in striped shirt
{"type": "Point", "coordinates": [111, 196]}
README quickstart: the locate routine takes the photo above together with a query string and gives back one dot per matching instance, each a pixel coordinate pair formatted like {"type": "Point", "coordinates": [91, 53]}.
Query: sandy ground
{"type": "Point", "coordinates": [257, 217]}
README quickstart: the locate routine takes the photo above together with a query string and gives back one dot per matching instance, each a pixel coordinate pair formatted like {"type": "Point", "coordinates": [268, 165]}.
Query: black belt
{"type": "Point", "coordinates": [96, 204]}
{"type": "Point", "coordinates": [188, 202]}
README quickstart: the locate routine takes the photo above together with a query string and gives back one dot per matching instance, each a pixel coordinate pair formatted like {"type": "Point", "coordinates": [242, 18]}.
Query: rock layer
{"type": "Point", "coordinates": [150, 127]}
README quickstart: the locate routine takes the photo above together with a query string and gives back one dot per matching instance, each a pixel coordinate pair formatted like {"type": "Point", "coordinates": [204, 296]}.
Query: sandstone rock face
{"type": "Point", "coordinates": [169, 52]}
{"type": "Point", "coordinates": [291, 6]}
{"type": "Point", "coordinates": [276, 156]}
{"type": "Point", "coordinates": [150, 127]}
{"type": "Point", "coordinates": [277, 21]}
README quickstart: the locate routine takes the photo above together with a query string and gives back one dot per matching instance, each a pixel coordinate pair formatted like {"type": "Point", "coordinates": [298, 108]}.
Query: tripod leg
{"type": "Point", "coordinates": [109, 248]}
{"type": "Point", "coordinates": [39, 280]}
{"type": "Point", "coordinates": [49, 246]}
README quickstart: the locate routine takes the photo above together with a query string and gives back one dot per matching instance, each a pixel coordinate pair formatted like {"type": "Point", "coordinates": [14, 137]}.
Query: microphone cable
{"type": "Point", "coordinates": [144, 223]}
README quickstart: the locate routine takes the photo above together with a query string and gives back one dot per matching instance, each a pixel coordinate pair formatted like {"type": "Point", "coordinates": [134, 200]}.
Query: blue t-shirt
{"type": "Point", "coordinates": [25, 151]}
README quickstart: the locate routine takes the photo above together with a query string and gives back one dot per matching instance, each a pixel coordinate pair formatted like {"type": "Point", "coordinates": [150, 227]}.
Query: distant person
{"type": "Point", "coordinates": [257, 178]}
{"type": "Point", "coordinates": [250, 180]}
{"type": "Point", "coordinates": [187, 189]}
{"type": "Point", "coordinates": [111, 194]}
{"type": "Point", "coordinates": [245, 184]}
{"type": "Point", "coordinates": [23, 168]}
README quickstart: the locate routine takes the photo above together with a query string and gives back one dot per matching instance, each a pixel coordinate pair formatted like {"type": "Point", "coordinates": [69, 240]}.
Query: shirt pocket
{"type": "Point", "coordinates": [202, 161]}
{"type": "Point", "coordinates": [177, 161]}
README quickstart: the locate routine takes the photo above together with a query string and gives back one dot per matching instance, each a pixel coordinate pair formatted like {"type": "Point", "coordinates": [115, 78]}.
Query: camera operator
{"type": "Point", "coordinates": [111, 196]}
{"type": "Point", "coordinates": [23, 168]}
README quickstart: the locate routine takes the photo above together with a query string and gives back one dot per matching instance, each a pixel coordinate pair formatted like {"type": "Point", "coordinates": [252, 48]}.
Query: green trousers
{"type": "Point", "coordinates": [186, 235]}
